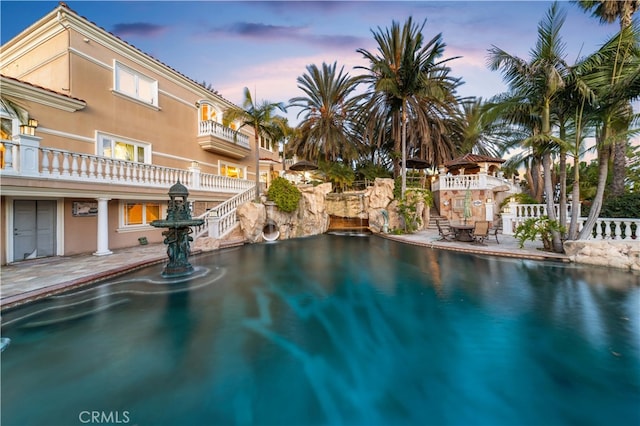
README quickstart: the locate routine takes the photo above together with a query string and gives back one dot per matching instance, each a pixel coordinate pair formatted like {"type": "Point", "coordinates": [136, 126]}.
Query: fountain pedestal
{"type": "Point", "coordinates": [177, 238]}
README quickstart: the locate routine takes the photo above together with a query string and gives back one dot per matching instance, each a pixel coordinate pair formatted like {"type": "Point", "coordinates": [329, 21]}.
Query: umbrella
{"type": "Point", "coordinates": [467, 206]}
{"type": "Point", "coordinates": [417, 163]}
{"type": "Point", "coordinates": [303, 166]}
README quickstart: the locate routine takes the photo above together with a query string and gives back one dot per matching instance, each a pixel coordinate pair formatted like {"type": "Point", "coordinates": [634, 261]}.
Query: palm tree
{"type": "Point", "coordinates": [612, 74]}
{"type": "Point", "coordinates": [480, 128]}
{"type": "Point", "coordinates": [282, 133]}
{"type": "Point", "coordinates": [409, 84]}
{"type": "Point", "coordinates": [608, 11]}
{"type": "Point", "coordinates": [540, 80]}
{"type": "Point", "coordinates": [326, 128]}
{"type": "Point", "coordinates": [260, 118]}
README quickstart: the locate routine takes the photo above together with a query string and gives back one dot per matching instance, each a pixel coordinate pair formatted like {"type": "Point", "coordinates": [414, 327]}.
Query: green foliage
{"type": "Point", "coordinates": [520, 198]}
{"type": "Point", "coordinates": [397, 188]}
{"type": "Point", "coordinates": [624, 206]}
{"type": "Point", "coordinates": [371, 171]}
{"type": "Point", "coordinates": [538, 227]}
{"type": "Point", "coordinates": [339, 174]}
{"type": "Point", "coordinates": [408, 207]}
{"type": "Point", "coordinates": [588, 179]}
{"type": "Point", "coordinates": [284, 194]}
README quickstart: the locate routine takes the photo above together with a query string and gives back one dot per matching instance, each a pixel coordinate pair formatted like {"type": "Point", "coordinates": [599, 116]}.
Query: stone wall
{"type": "Point", "coordinates": [615, 254]}
{"type": "Point", "coordinates": [376, 204]}
{"type": "Point", "coordinates": [311, 217]}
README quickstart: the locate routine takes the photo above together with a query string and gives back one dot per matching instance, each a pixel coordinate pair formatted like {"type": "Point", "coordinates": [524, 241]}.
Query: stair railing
{"type": "Point", "coordinates": [221, 220]}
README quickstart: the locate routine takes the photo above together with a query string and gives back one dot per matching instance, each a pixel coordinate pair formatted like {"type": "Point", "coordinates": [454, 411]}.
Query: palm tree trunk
{"type": "Point", "coordinates": [604, 154]}
{"type": "Point", "coordinates": [619, 167]}
{"type": "Point", "coordinates": [548, 181]}
{"type": "Point", "coordinates": [563, 186]}
{"type": "Point", "coordinates": [257, 165]}
{"type": "Point", "coordinates": [551, 213]}
{"type": "Point", "coordinates": [404, 148]}
{"type": "Point", "coordinates": [620, 147]}
{"type": "Point", "coordinates": [575, 200]}
{"type": "Point", "coordinates": [575, 193]}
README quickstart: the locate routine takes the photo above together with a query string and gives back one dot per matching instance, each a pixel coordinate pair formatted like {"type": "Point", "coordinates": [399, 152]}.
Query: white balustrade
{"type": "Point", "coordinates": [209, 127]}
{"type": "Point", "coordinates": [58, 164]}
{"type": "Point", "coordinates": [476, 181]}
{"type": "Point", "coordinates": [515, 214]}
{"type": "Point", "coordinates": [614, 228]}
{"type": "Point", "coordinates": [604, 228]}
{"type": "Point", "coordinates": [222, 218]}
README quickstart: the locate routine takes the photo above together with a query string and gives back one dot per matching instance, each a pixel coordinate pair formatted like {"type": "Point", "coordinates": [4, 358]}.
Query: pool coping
{"type": "Point", "coordinates": [452, 246]}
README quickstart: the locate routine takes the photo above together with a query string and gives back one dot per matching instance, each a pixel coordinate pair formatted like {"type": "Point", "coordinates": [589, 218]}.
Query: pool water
{"type": "Point", "coordinates": [332, 330]}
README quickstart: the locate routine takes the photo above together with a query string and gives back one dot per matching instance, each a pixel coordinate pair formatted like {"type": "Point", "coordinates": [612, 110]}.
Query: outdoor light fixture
{"type": "Point", "coordinates": [29, 128]}
{"type": "Point", "coordinates": [489, 200]}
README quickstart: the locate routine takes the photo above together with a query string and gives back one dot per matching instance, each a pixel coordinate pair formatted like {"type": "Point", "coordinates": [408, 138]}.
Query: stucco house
{"type": "Point", "coordinates": [95, 131]}
{"type": "Point", "coordinates": [473, 178]}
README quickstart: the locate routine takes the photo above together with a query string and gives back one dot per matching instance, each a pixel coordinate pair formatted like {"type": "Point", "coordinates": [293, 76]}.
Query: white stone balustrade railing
{"type": "Point", "coordinates": [477, 181]}
{"type": "Point", "coordinates": [222, 218]}
{"type": "Point", "coordinates": [514, 214]}
{"type": "Point", "coordinates": [209, 127]}
{"type": "Point", "coordinates": [56, 164]}
{"type": "Point", "coordinates": [615, 229]}
{"type": "Point", "coordinates": [604, 228]}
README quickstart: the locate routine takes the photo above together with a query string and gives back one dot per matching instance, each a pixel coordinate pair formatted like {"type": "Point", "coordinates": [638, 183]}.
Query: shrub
{"type": "Point", "coordinates": [284, 194]}
{"type": "Point", "coordinates": [340, 175]}
{"type": "Point", "coordinates": [408, 207]}
{"type": "Point", "coordinates": [535, 227]}
{"type": "Point", "coordinates": [624, 206]}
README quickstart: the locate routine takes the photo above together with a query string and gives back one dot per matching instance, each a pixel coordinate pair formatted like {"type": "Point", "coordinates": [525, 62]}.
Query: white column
{"type": "Point", "coordinates": [489, 209]}
{"type": "Point", "coordinates": [103, 227]}
{"type": "Point", "coordinates": [195, 175]}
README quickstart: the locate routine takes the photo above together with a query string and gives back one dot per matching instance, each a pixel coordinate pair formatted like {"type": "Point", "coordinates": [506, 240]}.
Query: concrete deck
{"type": "Point", "coordinates": [30, 280]}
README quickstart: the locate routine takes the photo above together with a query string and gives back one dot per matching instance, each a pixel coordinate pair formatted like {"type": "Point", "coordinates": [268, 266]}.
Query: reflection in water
{"type": "Point", "coordinates": [335, 330]}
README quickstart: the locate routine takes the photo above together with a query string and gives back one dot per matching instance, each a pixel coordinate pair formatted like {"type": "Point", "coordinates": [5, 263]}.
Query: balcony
{"type": "Point", "coordinates": [28, 160]}
{"type": "Point", "coordinates": [477, 181]}
{"type": "Point", "coordinates": [219, 139]}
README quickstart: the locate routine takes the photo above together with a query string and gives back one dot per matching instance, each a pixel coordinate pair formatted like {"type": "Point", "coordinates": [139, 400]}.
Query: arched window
{"type": "Point", "coordinates": [209, 112]}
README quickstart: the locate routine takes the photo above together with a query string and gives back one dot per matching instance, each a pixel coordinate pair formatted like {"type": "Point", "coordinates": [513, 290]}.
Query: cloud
{"type": "Point", "coordinates": [275, 81]}
{"type": "Point", "coordinates": [265, 33]}
{"type": "Point", "coordinates": [258, 30]}
{"type": "Point", "coordinates": [142, 29]}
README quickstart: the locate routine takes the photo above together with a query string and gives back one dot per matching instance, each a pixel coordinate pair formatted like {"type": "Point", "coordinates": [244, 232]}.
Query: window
{"type": "Point", "coordinates": [122, 149]}
{"type": "Point", "coordinates": [265, 143]}
{"type": "Point", "coordinates": [137, 214]}
{"type": "Point", "coordinates": [209, 113]}
{"type": "Point", "coordinates": [232, 171]}
{"type": "Point", "coordinates": [131, 83]}
{"type": "Point", "coordinates": [7, 129]}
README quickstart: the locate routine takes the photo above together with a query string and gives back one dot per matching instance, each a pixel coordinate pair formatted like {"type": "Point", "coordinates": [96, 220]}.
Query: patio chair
{"type": "Point", "coordinates": [444, 233]}
{"type": "Point", "coordinates": [480, 232]}
{"type": "Point", "coordinates": [497, 227]}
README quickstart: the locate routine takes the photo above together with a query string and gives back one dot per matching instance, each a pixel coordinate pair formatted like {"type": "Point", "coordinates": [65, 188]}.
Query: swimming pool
{"type": "Point", "coordinates": [332, 330]}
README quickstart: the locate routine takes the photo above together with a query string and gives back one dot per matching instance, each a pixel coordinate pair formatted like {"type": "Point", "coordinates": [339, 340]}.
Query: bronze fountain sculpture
{"type": "Point", "coordinates": [177, 236]}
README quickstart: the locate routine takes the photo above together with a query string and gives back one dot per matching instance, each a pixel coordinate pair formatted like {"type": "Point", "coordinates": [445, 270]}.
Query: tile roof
{"type": "Point", "coordinates": [473, 159]}
{"type": "Point", "coordinates": [35, 86]}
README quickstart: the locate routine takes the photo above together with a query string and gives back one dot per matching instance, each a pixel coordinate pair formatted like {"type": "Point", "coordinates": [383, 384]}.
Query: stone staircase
{"type": "Point", "coordinates": [433, 217]}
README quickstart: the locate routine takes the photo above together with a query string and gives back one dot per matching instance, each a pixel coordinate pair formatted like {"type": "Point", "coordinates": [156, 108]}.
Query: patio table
{"type": "Point", "coordinates": [462, 232]}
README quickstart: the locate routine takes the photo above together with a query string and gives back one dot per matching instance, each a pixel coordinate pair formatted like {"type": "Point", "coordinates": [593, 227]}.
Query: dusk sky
{"type": "Point", "coordinates": [266, 45]}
